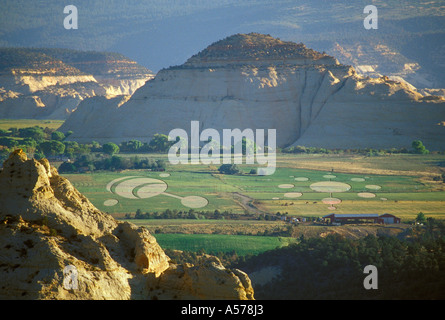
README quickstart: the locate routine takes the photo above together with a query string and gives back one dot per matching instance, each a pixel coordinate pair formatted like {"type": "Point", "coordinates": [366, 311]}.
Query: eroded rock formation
{"type": "Point", "coordinates": [50, 83]}
{"type": "Point", "coordinates": [258, 82]}
{"type": "Point", "coordinates": [47, 226]}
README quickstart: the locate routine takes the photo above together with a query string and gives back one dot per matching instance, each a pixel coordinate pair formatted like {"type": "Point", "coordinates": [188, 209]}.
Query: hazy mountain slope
{"type": "Point", "coordinates": [163, 33]}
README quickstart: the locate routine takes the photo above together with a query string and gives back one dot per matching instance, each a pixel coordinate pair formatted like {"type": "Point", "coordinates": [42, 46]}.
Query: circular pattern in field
{"type": "Point", "coordinates": [330, 186]}
{"type": "Point", "coordinates": [329, 176]}
{"type": "Point", "coordinates": [111, 183]}
{"type": "Point", "coordinates": [286, 186]}
{"type": "Point", "coordinates": [358, 179]}
{"type": "Point", "coordinates": [301, 179]}
{"type": "Point", "coordinates": [366, 195]}
{"type": "Point", "coordinates": [331, 201]}
{"type": "Point", "coordinates": [148, 188]}
{"type": "Point", "coordinates": [373, 187]}
{"type": "Point", "coordinates": [110, 202]}
{"type": "Point", "coordinates": [137, 187]}
{"type": "Point", "coordinates": [194, 202]}
{"type": "Point", "coordinates": [164, 175]}
{"type": "Point", "coordinates": [151, 190]}
{"type": "Point", "coordinates": [293, 194]}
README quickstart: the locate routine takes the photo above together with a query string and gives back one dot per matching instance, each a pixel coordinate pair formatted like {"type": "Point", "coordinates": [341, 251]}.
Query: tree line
{"type": "Point", "coordinates": [417, 147]}
{"type": "Point", "coordinates": [190, 214]}
{"type": "Point", "coordinates": [54, 145]}
{"type": "Point", "coordinates": [91, 162]}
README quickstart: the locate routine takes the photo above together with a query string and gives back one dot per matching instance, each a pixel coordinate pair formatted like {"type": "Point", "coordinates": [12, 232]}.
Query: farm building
{"type": "Point", "coordinates": [385, 218]}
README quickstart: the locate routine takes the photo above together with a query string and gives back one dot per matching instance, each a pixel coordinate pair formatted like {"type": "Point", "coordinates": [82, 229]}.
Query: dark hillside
{"type": "Point", "coordinates": [332, 268]}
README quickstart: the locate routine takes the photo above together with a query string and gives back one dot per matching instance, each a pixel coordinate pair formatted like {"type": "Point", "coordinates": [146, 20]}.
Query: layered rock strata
{"type": "Point", "coordinates": [258, 82]}
{"type": "Point", "coordinates": [50, 83]}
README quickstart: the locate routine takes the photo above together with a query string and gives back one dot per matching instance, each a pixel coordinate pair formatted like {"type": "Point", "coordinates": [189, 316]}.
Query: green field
{"type": "Point", "coordinates": [5, 124]}
{"type": "Point", "coordinates": [404, 193]}
{"type": "Point", "coordinates": [221, 243]}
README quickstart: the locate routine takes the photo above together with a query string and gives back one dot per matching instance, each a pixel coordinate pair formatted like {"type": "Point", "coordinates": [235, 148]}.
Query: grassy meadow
{"type": "Point", "coordinates": [213, 244]}
{"type": "Point", "coordinates": [404, 192]}
{"type": "Point", "coordinates": [5, 124]}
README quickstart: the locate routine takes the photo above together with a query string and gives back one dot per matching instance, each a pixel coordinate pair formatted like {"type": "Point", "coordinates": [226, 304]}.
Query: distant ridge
{"type": "Point", "coordinates": [49, 83]}
{"type": "Point", "coordinates": [256, 46]}
{"type": "Point", "coordinates": [69, 62]}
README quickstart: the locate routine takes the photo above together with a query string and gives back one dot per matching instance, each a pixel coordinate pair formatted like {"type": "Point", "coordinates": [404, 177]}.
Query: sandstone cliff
{"type": "Point", "coordinates": [48, 227]}
{"type": "Point", "coordinates": [258, 82]}
{"type": "Point", "coordinates": [50, 83]}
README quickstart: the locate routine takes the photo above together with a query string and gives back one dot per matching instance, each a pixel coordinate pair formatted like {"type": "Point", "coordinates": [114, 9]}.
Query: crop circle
{"type": "Point", "coordinates": [330, 186]}
{"type": "Point", "coordinates": [366, 195]}
{"type": "Point", "coordinates": [194, 202]}
{"type": "Point", "coordinates": [293, 194]}
{"type": "Point", "coordinates": [110, 202]}
{"type": "Point", "coordinates": [331, 201]}
{"type": "Point", "coordinates": [286, 186]}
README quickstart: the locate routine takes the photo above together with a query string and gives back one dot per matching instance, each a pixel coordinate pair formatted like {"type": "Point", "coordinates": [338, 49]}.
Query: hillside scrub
{"type": "Point", "coordinates": [332, 267]}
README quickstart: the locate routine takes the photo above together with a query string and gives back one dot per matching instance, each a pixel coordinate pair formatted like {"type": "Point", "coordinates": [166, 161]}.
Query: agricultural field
{"type": "Point", "coordinates": [5, 124]}
{"type": "Point", "coordinates": [303, 185]}
{"type": "Point", "coordinates": [213, 244]}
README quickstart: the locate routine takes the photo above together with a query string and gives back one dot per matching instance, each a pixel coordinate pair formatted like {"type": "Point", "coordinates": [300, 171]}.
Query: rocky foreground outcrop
{"type": "Point", "coordinates": [258, 82]}
{"type": "Point", "coordinates": [54, 244]}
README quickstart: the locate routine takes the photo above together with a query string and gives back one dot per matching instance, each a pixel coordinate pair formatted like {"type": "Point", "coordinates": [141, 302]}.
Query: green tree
{"type": "Point", "coordinates": [419, 148]}
{"type": "Point", "coordinates": [421, 217]}
{"type": "Point", "coordinates": [131, 146]}
{"type": "Point", "coordinates": [39, 155]}
{"type": "Point", "coordinates": [229, 169]}
{"type": "Point", "coordinates": [29, 142]}
{"type": "Point", "coordinates": [36, 133]}
{"type": "Point", "coordinates": [67, 167]}
{"type": "Point", "coordinates": [58, 136]}
{"type": "Point", "coordinates": [52, 148]}
{"type": "Point", "coordinates": [110, 148]}
{"type": "Point", "coordinates": [8, 142]}
{"type": "Point", "coordinates": [160, 143]}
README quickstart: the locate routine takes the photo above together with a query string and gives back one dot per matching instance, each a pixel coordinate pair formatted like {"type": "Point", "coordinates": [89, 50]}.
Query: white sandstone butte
{"type": "Point", "coordinates": [256, 81]}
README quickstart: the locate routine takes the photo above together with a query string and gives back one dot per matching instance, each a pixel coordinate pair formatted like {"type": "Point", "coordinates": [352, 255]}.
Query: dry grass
{"type": "Point", "coordinates": [406, 210]}
{"type": "Point", "coordinates": [401, 164]}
